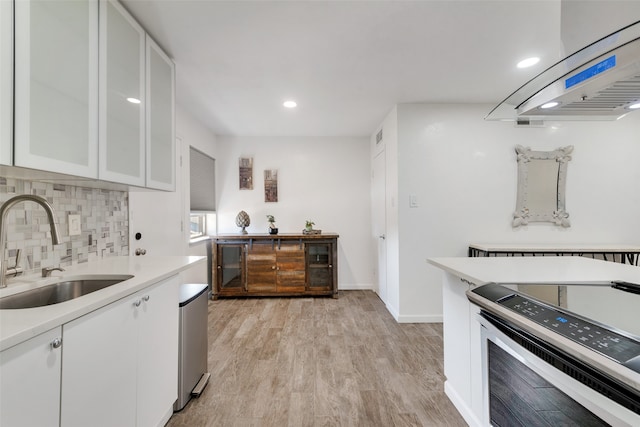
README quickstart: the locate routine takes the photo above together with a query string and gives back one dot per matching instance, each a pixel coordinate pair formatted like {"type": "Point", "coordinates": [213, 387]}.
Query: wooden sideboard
{"type": "Point", "coordinates": [275, 265]}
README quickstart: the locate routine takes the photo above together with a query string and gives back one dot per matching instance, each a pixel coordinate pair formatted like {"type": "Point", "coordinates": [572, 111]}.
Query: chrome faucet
{"type": "Point", "coordinates": [55, 238]}
{"type": "Point", "coordinates": [46, 272]}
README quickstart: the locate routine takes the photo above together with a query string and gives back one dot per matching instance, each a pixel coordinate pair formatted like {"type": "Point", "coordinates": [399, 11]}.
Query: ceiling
{"type": "Point", "coordinates": [346, 63]}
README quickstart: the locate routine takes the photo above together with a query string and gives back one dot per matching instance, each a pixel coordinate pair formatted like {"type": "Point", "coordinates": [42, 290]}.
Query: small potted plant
{"type": "Point", "coordinates": [272, 226]}
{"type": "Point", "coordinates": [308, 228]}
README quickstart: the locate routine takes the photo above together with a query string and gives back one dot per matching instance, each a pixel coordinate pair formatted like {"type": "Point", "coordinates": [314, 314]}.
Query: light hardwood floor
{"type": "Point", "coordinates": [319, 362]}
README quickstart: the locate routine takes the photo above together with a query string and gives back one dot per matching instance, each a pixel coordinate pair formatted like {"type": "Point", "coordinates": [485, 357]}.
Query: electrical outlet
{"type": "Point", "coordinates": [75, 228]}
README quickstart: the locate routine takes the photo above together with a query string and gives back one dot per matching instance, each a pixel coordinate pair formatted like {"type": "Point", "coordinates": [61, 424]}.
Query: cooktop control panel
{"type": "Point", "coordinates": [615, 346]}
{"type": "Point", "coordinates": [597, 337]}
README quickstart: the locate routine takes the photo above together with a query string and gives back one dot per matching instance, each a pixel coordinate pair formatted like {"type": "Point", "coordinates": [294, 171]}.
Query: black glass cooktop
{"type": "Point", "coordinates": [602, 317]}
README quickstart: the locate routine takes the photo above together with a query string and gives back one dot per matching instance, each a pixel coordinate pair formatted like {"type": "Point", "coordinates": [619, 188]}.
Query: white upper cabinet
{"type": "Point", "coordinates": [122, 96]}
{"type": "Point", "coordinates": [91, 95]}
{"type": "Point", "coordinates": [56, 82]}
{"type": "Point", "coordinates": [6, 82]}
{"type": "Point", "coordinates": [160, 119]}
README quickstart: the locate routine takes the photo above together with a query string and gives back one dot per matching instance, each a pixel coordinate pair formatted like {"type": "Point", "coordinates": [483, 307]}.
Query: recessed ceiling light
{"type": "Point", "coordinates": [634, 106]}
{"type": "Point", "coordinates": [528, 62]}
{"type": "Point", "coordinates": [133, 100]}
{"type": "Point", "coordinates": [549, 105]}
{"type": "Point", "coordinates": [290, 104]}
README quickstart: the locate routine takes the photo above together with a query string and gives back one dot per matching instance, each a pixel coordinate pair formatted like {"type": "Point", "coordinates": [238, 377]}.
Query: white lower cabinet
{"type": "Point", "coordinates": [120, 362]}
{"type": "Point", "coordinates": [158, 354]}
{"type": "Point", "coordinates": [30, 382]}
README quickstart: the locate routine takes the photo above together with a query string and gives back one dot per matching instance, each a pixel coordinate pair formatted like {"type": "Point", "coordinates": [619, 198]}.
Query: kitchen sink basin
{"type": "Point", "coordinates": [64, 290]}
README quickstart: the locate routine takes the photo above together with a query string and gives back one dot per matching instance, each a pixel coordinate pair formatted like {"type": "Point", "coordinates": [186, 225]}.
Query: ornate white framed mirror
{"type": "Point", "coordinates": [542, 178]}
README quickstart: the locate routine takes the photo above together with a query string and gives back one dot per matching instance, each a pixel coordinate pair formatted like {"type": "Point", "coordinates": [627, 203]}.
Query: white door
{"type": "Point", "coordinates": [379, 219]}
{"type": "Point", "coordinates": [156, 218]}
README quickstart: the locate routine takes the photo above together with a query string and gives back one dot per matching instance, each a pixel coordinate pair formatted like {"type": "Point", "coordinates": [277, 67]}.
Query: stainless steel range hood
{"type": "Point", "coordinates": [598, 82]}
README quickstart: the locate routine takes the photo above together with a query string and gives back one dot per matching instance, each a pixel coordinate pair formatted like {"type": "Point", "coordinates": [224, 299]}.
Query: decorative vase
{"type": "Point", "coordinates": [243, 220]}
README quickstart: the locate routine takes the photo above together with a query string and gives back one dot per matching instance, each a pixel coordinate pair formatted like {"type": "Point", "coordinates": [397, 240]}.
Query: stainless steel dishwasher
{"type": "Point", "coordinates": [193, 375]}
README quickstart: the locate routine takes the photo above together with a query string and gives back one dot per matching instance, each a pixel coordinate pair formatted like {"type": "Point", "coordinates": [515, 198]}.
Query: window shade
{"type": "Point", "coordinates": [203, 181]}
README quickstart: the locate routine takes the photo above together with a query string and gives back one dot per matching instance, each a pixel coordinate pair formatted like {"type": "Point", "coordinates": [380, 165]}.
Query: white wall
{"type": "Point", "coordinates": [463, 172]}
{"type": "Point", "coordinates": [322, 179]}
{"type": "Point", "coordinates": [163, 217]}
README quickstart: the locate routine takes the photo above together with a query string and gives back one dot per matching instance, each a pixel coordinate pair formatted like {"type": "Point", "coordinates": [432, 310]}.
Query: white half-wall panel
{"type": "Point", "coordinates": [325, 180]}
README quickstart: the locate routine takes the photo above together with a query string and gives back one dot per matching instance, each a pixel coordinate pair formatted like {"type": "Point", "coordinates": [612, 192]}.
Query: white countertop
{"type": "Point", "coordinates": [18, 325]}
{"type": "Point", "coordinates": [565, 269]}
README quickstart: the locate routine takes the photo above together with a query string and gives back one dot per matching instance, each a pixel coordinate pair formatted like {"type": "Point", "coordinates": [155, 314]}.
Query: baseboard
{"type": "Point", "coordinates": [419, 318]}
{"type": "Point", "coordinates": [392, 310]}
{"type": "Point", "coordinates": [461, 406]}
{"type": "Point", "coordinates": [166, 416]}
{"type": "Point", "coordinates": [355, 287]}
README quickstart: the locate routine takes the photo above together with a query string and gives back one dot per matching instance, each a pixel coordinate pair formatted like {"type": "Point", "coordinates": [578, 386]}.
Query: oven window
{"type": "Point", "coordinates": [520, 397]}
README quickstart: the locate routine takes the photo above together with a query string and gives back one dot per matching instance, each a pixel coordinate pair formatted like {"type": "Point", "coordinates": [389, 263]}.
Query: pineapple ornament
{"type": "Point", "coordinates": [243, 220]}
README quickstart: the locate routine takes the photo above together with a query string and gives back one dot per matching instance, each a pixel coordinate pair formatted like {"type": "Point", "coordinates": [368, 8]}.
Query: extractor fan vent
{"type": "Point", "coordinates": [598, 82]}
{"type": "Point", "coordinates": [614, 97]}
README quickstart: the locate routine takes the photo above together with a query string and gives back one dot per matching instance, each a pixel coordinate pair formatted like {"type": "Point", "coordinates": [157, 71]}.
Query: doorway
{"type": "Point", "coordinates": [379, 220]}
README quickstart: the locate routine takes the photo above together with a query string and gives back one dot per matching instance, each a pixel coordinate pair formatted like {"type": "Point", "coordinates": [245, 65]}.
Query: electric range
{"type": "Point", "coordinates": [596, 322]}
{"type": "Point", "coordinates": [579, 340]}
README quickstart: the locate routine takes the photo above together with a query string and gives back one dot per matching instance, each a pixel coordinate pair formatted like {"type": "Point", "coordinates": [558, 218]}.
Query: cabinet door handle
{"type": "Point", "coordinates": [273, 267]}
{"type": "Point", "coordinates": [56, 343]}
{"type": "Point", "coordinates": [145, 298]}
{"type": "Point", "coordinates": [137, 303]}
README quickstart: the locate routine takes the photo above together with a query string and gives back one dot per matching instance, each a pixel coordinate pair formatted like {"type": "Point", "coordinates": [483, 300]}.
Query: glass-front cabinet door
{"type": "Point", "coordinates": [6, 82]}
{"type": "Point", "coordinates": [122, 96]}
{"type": "Point", "coordinates": [160, 136]}
{"type": "Point", "coordinates": [230, 260]}
{"type": "Point", "coordinates": [56, 85]}
{"type": "Point", "coordinates": [319, 266]}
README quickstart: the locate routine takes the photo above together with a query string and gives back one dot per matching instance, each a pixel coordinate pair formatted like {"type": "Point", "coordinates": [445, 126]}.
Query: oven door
{"type": "Point", "coordinates": [521, 388]}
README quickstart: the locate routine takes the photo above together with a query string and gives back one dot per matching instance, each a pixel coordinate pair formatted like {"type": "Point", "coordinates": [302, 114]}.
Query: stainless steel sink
{"type": "Point", "coordinates": [65, 290]}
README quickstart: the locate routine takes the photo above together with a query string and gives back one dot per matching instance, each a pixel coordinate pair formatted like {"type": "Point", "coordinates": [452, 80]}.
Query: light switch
{"type": "Point", "coordinates": [75, 228]}
{"type": "Point", "coordinates": [413, 201]}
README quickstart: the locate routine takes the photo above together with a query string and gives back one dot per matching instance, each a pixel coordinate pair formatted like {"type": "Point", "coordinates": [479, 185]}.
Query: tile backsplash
{"type": "Point", "coordinates": [104, 222]}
